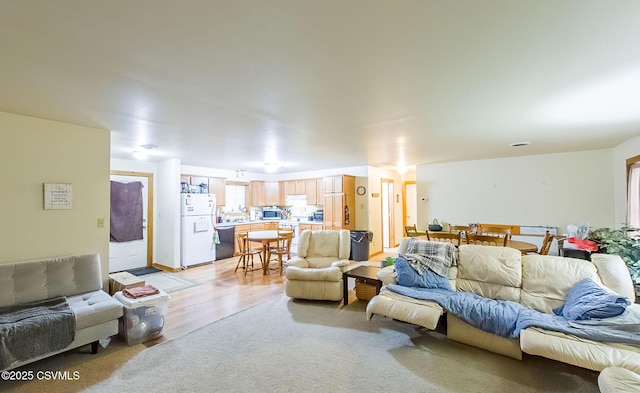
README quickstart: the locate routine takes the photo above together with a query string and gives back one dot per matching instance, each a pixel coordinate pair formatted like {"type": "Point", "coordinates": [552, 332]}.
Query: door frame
{"type": "Point", "coordinates": [390, 206]}
{"type": "Point", "coordinates": [149, 177]}
{"type": "Point", "coordinates": [404, 201]}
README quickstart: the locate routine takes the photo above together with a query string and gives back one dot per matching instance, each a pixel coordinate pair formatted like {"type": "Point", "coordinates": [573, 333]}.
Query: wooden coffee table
{"type": "Point", "coordinates": [366, 274]}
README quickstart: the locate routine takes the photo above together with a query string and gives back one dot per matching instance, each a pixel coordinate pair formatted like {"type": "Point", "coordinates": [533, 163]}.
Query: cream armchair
{"type": "Point", "coordinates": [316, 272]}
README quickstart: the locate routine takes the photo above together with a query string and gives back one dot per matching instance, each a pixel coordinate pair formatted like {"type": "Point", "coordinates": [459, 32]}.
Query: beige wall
{"type": "Point", "coordinates": [551, 189]}
{"type": "Point", "coordinates": [36, 151]}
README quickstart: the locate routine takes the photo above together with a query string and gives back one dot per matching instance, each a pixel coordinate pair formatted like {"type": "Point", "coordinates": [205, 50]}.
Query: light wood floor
{"type": "Point", "coordinates": [223, 292]}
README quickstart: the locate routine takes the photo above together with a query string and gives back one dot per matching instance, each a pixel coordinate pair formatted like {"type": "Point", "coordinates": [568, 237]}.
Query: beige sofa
{"type": "Point", "coordinates": [315, 273]}
{"type": "Point", "coordinates": [535, 281]}
{"type": "Point", "coordinates": [79, 279]}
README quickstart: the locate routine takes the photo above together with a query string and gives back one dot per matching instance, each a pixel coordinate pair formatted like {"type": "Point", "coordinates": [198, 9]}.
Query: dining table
{"type": "Point", "coordinates": [265, 237]}
{"type": "Point", "coordinates": [523, 247]}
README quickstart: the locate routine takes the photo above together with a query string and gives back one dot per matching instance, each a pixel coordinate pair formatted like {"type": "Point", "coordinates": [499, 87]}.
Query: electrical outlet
{"type": "Point", "coordinates": [100, 222]}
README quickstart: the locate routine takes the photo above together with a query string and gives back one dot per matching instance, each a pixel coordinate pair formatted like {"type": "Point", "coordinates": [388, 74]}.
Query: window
{"type": "Point", "coordinates": [633, 190]}
{"type": "Point", "coordinates": [236, 198]}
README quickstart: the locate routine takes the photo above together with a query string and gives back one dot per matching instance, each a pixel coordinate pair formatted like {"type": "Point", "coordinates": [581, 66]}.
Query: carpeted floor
{"type": "Point", "coordinates": [286, 345]}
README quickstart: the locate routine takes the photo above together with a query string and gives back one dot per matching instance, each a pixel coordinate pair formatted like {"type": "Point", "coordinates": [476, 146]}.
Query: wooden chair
{"type": "Point", "coordinates": [495, 231]}
{"type": "Point", "coordinates": [446, 237]}
{"type": "Point", "coordinates": [462, 230]}
{"type": "Point", "coordinates": [487, 240]}
{"type": "Point", "coordinates": [546, 244]}
{"type": "Point", "coordinates": [245, 252]}
{"type": "Point", "coordinates": [411, 230]}
{"type": "Point", "coordinates": [282, 247]}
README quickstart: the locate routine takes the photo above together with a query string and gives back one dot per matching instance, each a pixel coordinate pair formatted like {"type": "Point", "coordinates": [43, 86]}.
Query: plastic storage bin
{"type": "Point", "coordinates": [144, 318]}
{"type": "Point", "coordinates": [360, 245]}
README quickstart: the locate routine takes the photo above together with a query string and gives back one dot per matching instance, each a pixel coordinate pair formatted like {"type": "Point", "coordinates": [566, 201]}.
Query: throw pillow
{"type": "Point", "coordinates": [409, 277]}
{"type": "Point", "coordinates": [587, 300]}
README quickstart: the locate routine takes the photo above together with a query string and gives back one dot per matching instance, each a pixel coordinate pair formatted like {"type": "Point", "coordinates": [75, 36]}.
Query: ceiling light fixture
{"type": "Point", "coordinates": [140, 154]}
{"type": "Point", "coordinates": [518, 144]}
{"type": "Point", "coordinates": [270, 166]}
{"type": "Point", "coordinates": [239, 173]}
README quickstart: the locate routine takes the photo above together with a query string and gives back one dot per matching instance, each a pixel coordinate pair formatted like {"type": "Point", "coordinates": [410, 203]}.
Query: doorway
{"type": "Point", "coordinates": [135, 253]}
{"type": "Point", "coordinates": [388, 233]}
{"type": "Point", "coordinates": [410, 204]}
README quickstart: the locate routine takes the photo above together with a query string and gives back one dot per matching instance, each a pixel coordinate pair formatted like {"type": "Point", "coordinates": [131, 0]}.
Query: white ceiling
{"type": "Point", "coordinates": [328, 83]}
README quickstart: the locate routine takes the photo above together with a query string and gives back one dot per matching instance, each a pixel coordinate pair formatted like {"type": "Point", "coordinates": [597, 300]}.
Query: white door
{"type": "Point", "coordinates": [132, 254]}
{"type": "Point", "coordinates": [411, 204]}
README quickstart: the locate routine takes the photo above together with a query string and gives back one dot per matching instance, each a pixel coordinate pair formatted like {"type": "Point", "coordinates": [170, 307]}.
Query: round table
{"type": "Point", "coordinates": [265, 237]}
{"type": "Point", "coordinates": [523, 247]}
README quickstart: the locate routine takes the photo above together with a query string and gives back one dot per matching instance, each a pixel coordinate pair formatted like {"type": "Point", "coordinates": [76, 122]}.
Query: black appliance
{"type": "Point", "coordinates": [225, 248]}
{"type": "Point", "coordinates": [318, 215]}
{"type": "Point", "coordinates": [271, 214]}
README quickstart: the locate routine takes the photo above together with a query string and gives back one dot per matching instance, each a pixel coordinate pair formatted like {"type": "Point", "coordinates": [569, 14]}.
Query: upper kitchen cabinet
{"type": "Point", "coordinates": [339, 206]}
{"type": "Point", "coordinates": [273, 195]}
{"type": "Point", "coordinates": [312, 197]}
{"type": "Point", "coordinates": [266, 193]}
{"type": "Point", "coordinates": [217, 187]}
{"type": "Point", "coordinates": [335, 184]}
{"type": "Point", "coordinates": [257, 193]}
{"type": "Point", "coordinates": [295, 187]}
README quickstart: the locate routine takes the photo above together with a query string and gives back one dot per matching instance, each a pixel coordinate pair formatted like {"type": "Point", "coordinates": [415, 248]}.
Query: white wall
{"type": "Point", "coordinates": [552, 189]}
{"type": "Point", "coordinates": [36, 151]}
{"type": "Point", "coordinates": [621, 154]}
{"type": "Point", "coordinates": [168, 213]}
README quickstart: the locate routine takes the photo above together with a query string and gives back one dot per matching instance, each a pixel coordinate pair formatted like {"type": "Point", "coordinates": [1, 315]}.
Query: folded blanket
{"type": "Point", "coordinates": [35, 329]}
{"type": "Point", "coordinates": [437, 256]}
{"type": "Point", "coordinates": [138, 292]}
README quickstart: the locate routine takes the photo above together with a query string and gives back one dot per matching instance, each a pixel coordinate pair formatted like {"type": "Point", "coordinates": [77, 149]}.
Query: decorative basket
{"type": "Point", "coordinates": [364, 291]}
{"type": "Point", "coordinates": [435, 226]}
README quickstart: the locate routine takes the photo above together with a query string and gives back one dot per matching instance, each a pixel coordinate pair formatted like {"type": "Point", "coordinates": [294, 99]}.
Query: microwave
{"type": "Point", "coordinates": [271, 214]}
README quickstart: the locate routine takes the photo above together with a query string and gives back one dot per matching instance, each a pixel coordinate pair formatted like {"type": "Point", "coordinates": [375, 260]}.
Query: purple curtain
{"type": "Point", "coordinates": [126, 211]}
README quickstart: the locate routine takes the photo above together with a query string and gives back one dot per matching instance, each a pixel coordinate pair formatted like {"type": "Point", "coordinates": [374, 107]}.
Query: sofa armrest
{"type": "Point", "coordinates": [331, 273]}
{"type": "Point", "coordinates": [388, 275]}
{"type": "Point", "coordinates": [342, 264]}
{"type": "Point", "coordinates": [297, 261]}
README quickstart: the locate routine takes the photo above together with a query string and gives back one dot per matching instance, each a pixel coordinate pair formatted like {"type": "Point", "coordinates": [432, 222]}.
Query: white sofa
{"type": "Point", "coordinates": [535, 281]}
{"type": "Point", "coordinates": [79, 279]}
{"type": "Point", "coordinates": [315, 273]}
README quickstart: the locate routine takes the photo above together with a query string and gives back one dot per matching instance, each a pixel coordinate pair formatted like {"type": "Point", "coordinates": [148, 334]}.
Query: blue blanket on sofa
{"type": "Point", "coordinates": [507, 318]}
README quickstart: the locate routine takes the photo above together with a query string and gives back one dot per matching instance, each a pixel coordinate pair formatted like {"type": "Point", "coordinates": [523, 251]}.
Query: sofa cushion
{"type": "Point", "coordinates": [30, 281]}
{"type": "Point", "coordinates": [493, 272]}
{"type": "Point", "coordinates": [409, 277]}
{"type": "Point", "coordinates": [546, 280]}
{"type": "Point", "coordinates": [587, 300]}
{"type": "Point", "coordinates": [94, 308]}
{"type": "Point", "coordinates": [614, 273]}
{"type": "Point", "coordinates": [331, 273]}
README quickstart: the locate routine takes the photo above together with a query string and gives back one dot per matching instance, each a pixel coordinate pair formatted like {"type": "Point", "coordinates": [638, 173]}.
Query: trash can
{"type": "Point", "coordinates": [360, 245]}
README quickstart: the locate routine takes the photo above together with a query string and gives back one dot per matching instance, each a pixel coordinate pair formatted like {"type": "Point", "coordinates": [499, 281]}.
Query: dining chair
{"type": "Point", "coordinates": [446, 237]}
{"type": "Point", "coordinates": [282, 247]}
{"type": "Point", "coordinates": [245, 252]}
{"type": "Point", "coordinates": [546, 244]}
{"type": "Point", "coordinates": [462, 230]}
{"type": "Point", "coordinates": [411, 230]}
{"type": "Point", "coordinates": [487, 240]}
{"type": "Point", "coordinates": [495, 231]}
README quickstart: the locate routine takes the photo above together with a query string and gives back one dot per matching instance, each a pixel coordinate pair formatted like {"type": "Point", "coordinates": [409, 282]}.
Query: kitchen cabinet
{"type": "Point", "coordinates": [312, 194]}
{"type": "Point", "coordinates": [242, 228]}
{"type": "Point", "coordinates": [319, 191]}
{"type": "Point", "coordinates": [339, 207]}
{"type": "Point", "coordinates": [273, 193]}
{"type": "Point", "coordinates": [295, 187]}
{"type": "Point", "coordinates": [217, 187]}
{"type": "Point", "coordinates": [312, 227]}
{"type": "Point", "coordinates": [266, 193]}
{"type": "Point", "coordinates": [257, 193]}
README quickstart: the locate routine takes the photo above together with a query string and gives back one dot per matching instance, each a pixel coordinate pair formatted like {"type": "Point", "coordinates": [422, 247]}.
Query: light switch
{"type": "Point", "coordinates": [100, 222]}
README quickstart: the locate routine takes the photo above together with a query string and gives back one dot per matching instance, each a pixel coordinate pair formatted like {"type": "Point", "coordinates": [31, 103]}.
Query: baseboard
{"type": "Point", "coordinates": [166, 268]}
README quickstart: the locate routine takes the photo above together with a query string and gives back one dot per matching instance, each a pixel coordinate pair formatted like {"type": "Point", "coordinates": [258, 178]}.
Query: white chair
{"type": "Point", "coordinates": [316, 272]}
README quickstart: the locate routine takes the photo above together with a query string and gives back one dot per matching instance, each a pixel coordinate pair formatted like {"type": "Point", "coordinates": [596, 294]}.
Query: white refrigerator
{"type": "Point", "coordinates": [197, 229]}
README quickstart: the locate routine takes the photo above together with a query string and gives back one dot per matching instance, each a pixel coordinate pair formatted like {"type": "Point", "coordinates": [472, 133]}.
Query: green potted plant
{"type": "Point", "coordinates": [619, 242]}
